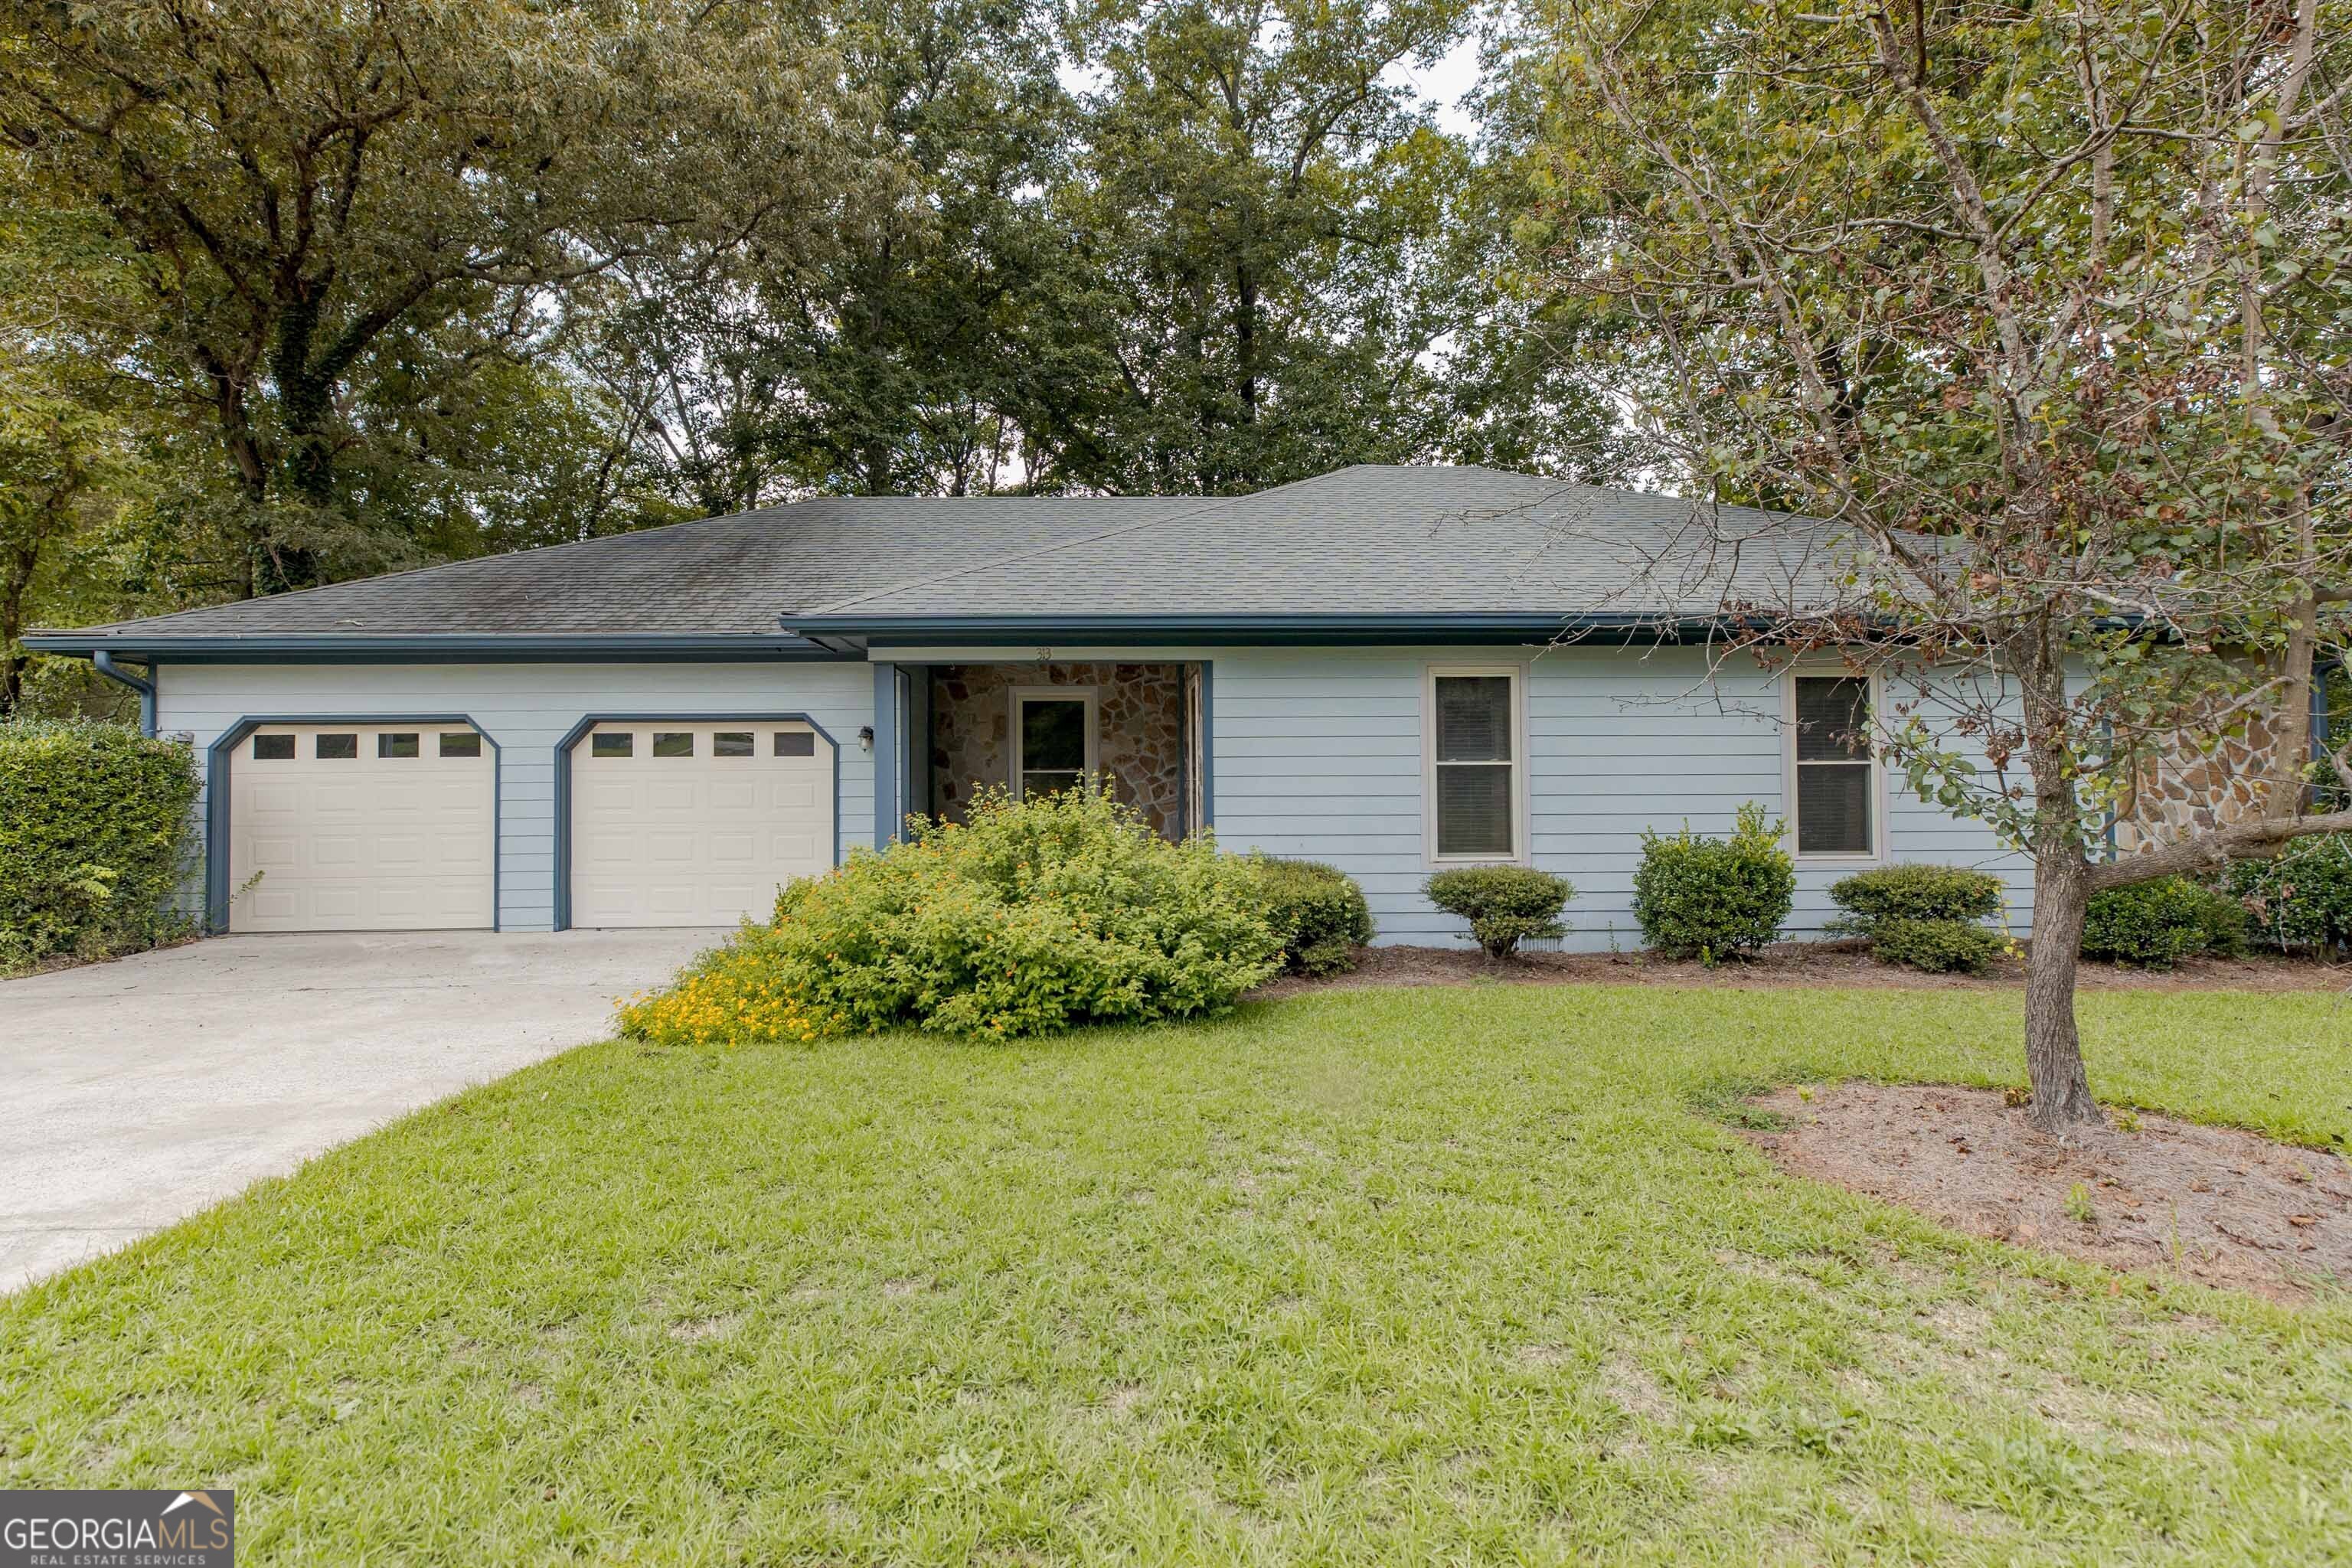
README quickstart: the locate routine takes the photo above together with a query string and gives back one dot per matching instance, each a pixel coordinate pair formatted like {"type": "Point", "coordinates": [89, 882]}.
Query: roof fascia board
{"type": "Point", "coordinates": [467, 647]}
{"type": "Point", "coordinates": [880, 632]}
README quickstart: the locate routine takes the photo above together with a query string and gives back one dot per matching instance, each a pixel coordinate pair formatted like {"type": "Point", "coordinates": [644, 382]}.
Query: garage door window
{"type": "Point", "coordinates": [273, 747]}
{"type": "Point", "coordinates": [460, 744]}
{"type": "Point", "coordinates": [795, 743]}
{"type": "Point", "coordinates": [621, 745]}
{"type": "Point", "coordinates": [395, 746]}
{"type": "Point", "coordinates": [339, 748]}
{"type": "Point", "coordinates": [731, 743]}
{"type": "Point", "coordinates": [673, 743]}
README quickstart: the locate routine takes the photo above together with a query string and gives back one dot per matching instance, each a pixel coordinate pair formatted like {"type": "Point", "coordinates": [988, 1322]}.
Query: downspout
{"type": "Point", "coordinates": [105, 664]}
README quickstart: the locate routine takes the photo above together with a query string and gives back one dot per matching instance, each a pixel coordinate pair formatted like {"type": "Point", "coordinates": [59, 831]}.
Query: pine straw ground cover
{"type": "Point", "coordinates": [1446, 1274]}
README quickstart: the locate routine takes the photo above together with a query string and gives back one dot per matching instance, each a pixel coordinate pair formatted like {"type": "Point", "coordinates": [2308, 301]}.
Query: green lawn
{"type": "Point", "coordinates": [1430, 1275]}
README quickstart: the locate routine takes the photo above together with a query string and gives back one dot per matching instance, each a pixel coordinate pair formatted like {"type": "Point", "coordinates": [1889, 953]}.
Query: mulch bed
{"type": "Point", "coordinates": [2215, 1204]}
{"type": "Point", "coordinates": [1836, 963]}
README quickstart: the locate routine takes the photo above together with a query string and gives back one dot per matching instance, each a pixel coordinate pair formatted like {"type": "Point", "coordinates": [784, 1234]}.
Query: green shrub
{"type": "Point", "coordinates": [94, 838]}
{"type": "Point", "coordinates": [1915, 892]}
{"type": "Point", "coordinates": [1032, 916]}
{"type": "Point", "coordinates": [1936, 946]}
{"type": "Point", "coordinates": [1505, 905]}
{"type": "Point", "coordinates": [1713, 898]}
{"type": "Point", "coordinates": [1317, 913]}
{"type": "Point", "coordinates": [2301, 898]}
{"type": "Point", "coordinates": [2155, 925]}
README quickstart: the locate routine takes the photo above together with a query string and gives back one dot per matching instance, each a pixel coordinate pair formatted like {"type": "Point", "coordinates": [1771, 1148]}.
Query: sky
{"type": "Point", "coordinates": [1442, 84]}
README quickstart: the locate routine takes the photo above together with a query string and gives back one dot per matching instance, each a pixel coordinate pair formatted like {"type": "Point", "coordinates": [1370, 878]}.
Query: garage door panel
{"type": "Point", "coordinates": [671, 850]}
{"type": "Point", "coordinates": [702, 839]}
{"type": "Point", "coordinates": [403, 851]}
{"type": "Point", "coordinates": [359, 843]}
{"type": "Point", "coordinates": [671, 795]}
{"type": "Point", "coordinates": [276, 854]}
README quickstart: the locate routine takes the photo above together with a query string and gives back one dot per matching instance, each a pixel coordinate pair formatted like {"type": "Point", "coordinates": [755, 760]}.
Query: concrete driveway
{"type": "Point", "coordinates": [139, 1091]}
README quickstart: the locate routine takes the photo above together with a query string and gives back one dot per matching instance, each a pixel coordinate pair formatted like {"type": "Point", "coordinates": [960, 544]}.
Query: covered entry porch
{"type": "Point", "coordinates": [1037, 726]}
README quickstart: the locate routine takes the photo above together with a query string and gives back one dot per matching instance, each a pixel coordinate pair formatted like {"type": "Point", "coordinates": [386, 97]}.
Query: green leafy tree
{"type": "Point", "coordinates": [1263, 225]}
{"type": "Point", "coordinates": [320, 202]}
{"type": "Point", "coordinates": [894, 362]}
{"type": "Point", "coordinates": [2047, 305]}
{"type": "Point", "coordinates": [60, 464]}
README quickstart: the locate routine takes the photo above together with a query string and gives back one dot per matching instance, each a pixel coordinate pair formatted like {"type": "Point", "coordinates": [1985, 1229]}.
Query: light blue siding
{"type": "Point", "coordinates": [1318, 755]}
{"type": "Point", "coordinates": [526, 709]}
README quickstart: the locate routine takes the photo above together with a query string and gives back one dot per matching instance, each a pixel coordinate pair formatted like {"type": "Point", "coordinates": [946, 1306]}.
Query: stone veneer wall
{"type": "Point", "coordinates": [1139, 710]}
{"type": "Point", "coordinates": [2185, 789]}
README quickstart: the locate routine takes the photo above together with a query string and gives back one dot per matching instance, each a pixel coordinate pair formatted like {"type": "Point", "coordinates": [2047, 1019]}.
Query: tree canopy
{"type": "Point", "coordinates": [2049, 304]}
{"type": "Point", "coordinates": [371, 286]}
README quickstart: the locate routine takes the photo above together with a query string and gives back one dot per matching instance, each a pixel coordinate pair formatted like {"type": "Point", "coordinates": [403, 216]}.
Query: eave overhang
{"type": "Point", "coordinates": [464, 648]}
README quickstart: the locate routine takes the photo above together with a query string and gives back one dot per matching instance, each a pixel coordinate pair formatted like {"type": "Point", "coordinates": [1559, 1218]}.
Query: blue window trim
{"type": "Point", "coordinates": [219, 758]}
{"type": "Point", "coordinates": [579, 732]}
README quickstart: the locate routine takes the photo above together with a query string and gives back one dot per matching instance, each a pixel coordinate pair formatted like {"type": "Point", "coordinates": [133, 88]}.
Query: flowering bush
{"type": "Point", "coordinates": [1034, 915]}
{"type": "Point", "coordinates": [732, 995]}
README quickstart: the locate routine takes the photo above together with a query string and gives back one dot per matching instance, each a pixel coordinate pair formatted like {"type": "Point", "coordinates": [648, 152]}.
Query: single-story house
{"type": "Point", "coordinates": [1391, 668]}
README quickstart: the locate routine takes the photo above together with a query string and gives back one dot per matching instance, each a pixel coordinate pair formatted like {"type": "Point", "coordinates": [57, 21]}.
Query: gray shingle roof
{"type": "Point", "coordinates": [1369, 540]}
{"type": "Point", "coordinates": [1375, 540]}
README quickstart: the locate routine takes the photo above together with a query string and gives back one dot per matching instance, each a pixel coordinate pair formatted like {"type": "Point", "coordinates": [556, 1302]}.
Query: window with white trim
{"type": "Point", "coordinates": [1471, 733]}
{"type": "Point", "coordinates": [1054, 738]}
{"type": "Point", "coordinates": [1833, 779]}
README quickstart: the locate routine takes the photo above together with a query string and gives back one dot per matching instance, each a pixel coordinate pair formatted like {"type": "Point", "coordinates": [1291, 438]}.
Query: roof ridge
{"type": "Point", "coordinates": [1208, 504]}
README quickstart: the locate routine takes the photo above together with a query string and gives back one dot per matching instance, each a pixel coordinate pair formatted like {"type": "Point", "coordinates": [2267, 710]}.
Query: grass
{"type": "Point", "coordinates": [1411, 1276]}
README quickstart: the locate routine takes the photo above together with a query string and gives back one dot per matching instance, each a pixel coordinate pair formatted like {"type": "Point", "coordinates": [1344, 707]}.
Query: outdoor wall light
{"type": "Point", "coordinates": [866, 738]}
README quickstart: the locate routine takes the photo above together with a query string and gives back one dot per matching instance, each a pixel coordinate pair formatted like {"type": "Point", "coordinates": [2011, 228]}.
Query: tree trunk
{"type": "Point", "coordinates": [13, 657]}
{"type": "Point", "coordinates": [2053, 1049]}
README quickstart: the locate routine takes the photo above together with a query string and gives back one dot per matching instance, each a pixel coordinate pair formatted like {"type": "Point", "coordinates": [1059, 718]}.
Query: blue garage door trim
{"type": "Point", "coordinates": [217, 762]}
{"type": "Point", "coordinates": [578, 732]}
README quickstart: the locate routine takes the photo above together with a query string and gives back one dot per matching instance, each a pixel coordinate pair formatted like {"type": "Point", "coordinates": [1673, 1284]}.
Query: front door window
{"type": "Point", "coordinates": [1056, 744]}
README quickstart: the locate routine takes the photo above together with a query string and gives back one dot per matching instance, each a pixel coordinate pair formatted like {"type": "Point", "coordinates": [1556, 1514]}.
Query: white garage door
{"type": "Point", "coordinates": [695, 822]}
{"type": "Point", "coordinates": [361, 828]}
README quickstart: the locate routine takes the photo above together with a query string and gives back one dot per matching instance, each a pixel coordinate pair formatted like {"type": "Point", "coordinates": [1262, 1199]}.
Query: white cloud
{"type": "Point", "coordinates": [1443, 83]}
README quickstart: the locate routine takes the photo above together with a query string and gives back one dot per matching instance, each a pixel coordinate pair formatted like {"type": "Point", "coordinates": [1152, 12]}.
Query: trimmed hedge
{"type": "Point", "coordinates": [2304, 897]}
{"type": "Point", "coordinates": [2155, 925]}
{"type": "Point", "coordinates": [1936, 946]}
{"type": "Point", "coordinates": [1923, 916]}
{"type": "Point", "coordinates": [1505, 905]}
{"type": "Point", "coordinates": [1915, 892]}
{"type": "Point", "coordinates": [1715, 898]}
{"type": "Point", "coordinates": [1032, 916]}
{"type": "Point", "coordinates": [1319, 914]}
{"type": "Point", "coordinates": [95, 833]}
